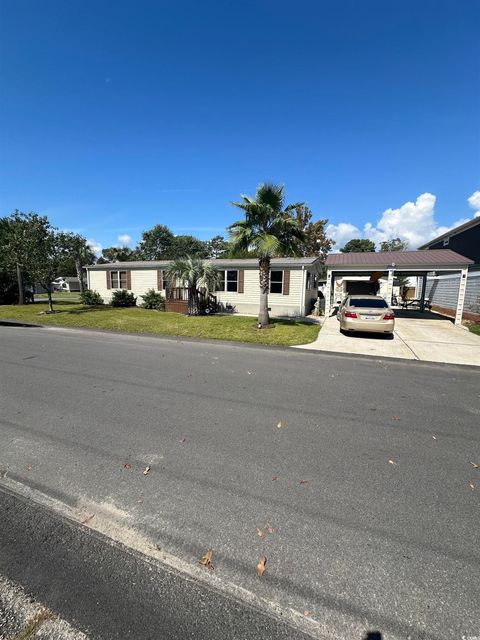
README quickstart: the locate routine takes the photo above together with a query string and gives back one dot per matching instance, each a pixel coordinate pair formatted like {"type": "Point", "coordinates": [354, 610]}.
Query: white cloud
{"type": "Point", "coordinates": [342, 233]}
{"type": "Point", "coordinates": [95, 246]}
{"type": "Point", "coordinates": [125, 240]}
{"type": "Point", "coordinates": [413, 221]}
{"type": "Point", "coordinates": [474, 202]}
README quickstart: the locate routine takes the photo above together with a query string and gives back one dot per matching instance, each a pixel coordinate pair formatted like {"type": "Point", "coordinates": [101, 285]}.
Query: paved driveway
{"type": "Point", "coordinates": [417, 336]}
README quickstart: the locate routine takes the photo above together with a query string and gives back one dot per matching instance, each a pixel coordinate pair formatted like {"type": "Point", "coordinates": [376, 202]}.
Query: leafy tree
{"type": "Point", "coordinates": [156, 243]}
{"type": "Point", "coordinates": [394, 245]}
{"type": "Point", "coordinates": [20, 247]}
{"type": "Point", "coordinates": [271, 230]}
{"type": "Point", "coordinates": [74, 252]}
{"type": "Point", "coordinates": [196, 273]}
{"type": "Point", "coordinates": [44, 259]}
{"type": "Point", "coordinates": [119, 254]}
{"type": "Point", "coordinates": [358, 245]}
{"type": "Point", "coordinates": [217, 247]}
{"type": "Point", "coordinates": [183, 246]}
{"type": "Point", "coordinates": [316, 241]}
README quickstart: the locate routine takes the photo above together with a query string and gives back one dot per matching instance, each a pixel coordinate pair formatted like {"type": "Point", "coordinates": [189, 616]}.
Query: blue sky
{"type": "Point", "coordinates": [118, 116]}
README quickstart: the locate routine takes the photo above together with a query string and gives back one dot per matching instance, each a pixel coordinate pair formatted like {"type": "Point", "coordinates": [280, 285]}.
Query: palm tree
{"type": "Point", "coordinates": [195, 273]}
{"type": "Point", "coordinates": [269, 229]}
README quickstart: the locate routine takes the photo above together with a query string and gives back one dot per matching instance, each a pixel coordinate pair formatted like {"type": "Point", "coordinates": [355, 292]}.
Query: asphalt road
{"type": "Point", "coordinates": [374, 522]}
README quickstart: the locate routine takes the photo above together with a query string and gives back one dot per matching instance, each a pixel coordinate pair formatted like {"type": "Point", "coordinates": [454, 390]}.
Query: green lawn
{"type": "Point", "coordinates": [474, 328]}
{"type": "Point", "coordinates": [138, 320]}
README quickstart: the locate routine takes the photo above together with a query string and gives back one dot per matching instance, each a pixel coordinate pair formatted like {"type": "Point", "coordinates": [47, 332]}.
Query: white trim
{"type": "Point", "coordinates": [390, 286]}
{"type": "Point", "coordinates": [303, 285]}
{"type": "Point", "coordinates": [461, 296]}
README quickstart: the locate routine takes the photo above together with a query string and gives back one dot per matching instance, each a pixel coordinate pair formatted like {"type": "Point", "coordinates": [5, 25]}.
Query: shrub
{"type": "Point", "coordinates": [91, 298]}
{"type": "Point", "coordinates": [123, 298]}
{"type": "Point", "coordinates": [153, 300]}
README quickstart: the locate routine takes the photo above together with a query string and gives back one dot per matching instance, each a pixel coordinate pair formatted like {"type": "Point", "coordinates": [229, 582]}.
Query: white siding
{"type": "Point", "coordinates": [142, 280]}
{"type": "Point", "coordinates": [97, 281]}
{"type": "Point", "coordinates": [279, 304]}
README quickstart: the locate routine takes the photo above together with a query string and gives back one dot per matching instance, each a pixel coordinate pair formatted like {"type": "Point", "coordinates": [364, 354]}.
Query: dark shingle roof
{"type": "Point", "coordinates": [385, 259]}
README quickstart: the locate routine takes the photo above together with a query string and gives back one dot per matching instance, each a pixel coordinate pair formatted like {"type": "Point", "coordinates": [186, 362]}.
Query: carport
{"type": "Point", "coordinates": [401, 263]}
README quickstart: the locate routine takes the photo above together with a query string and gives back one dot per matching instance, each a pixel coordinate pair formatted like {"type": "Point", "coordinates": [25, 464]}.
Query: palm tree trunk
{"type": "Point", "coordinates": [264, 274]}
{"type": "Point", "coordinates": [192, 301]}
{"type": "Point", "coordinates": [78, 267]}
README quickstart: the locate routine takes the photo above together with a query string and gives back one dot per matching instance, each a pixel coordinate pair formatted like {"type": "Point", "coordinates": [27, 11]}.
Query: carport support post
{"type": "Point", "coordinates": [461, 296]}
{"type": "Point", "coordinates": [422, 295]}
{"type": "Point", "coordinates": [328, 293]}
{"type": "Point", "coordinates": [390, 286]}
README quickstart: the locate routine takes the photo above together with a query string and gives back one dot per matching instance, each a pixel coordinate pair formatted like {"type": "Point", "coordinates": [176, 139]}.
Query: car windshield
{"type": "Point", "coordinates": [369, 303]}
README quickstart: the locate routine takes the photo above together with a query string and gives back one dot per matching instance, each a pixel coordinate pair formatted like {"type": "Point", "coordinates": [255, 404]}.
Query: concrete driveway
{"type": "Point", "coordinates": [427, 336]}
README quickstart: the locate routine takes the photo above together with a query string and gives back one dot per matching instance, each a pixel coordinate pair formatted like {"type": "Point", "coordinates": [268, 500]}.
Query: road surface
{"type": "Point", "coordinates": [352, 476]}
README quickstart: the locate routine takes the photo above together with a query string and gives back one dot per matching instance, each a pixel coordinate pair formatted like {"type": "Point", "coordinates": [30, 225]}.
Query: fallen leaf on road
{"type": "Point", "coordinates": [274, 477]}
{"type": "Point", "coordinates": [303, 482]}
{"type": "Point", "coordinates": [475, 465]}
{"type": "Point", "coordinates": [392, 462]}
{"type": "Point", "coordinates": [269, 528]}
{"type": "Point", "coordinates": [472, 486]}
{"type": "Point", "coordinates": [127, 466]}
{"type": "Point", "coordinates": [279, 425]}
{"type": "Point", "coordinates": [395, 417]}
{"type": "Point", "coordinates": [146, 470]}
{"type": "Point", "coordinates": [88, 519]}
{"type": "Point", "coordinates": [261, 566]}
{"type": "Point", "coordinates": [206, 561]}
{"type": "Point", "coordinates": [260, 533]}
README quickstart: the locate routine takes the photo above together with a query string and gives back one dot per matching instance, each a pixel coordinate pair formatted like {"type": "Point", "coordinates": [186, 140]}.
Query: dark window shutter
{"type": "Point", "coordinates": [286, 282]}
{"type": "Point", "coordinates": [241, 280]}
{"type": "Point", "coordinates": [160, 279]}
{"type": "Point", "coordinates": [109, 279]}
{"type": "Point", "coordinates": [129, 280]}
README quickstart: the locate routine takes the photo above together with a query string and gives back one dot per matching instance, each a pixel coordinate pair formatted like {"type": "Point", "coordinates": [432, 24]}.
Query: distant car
{"type": "Point", "coordinates": [366, 313]}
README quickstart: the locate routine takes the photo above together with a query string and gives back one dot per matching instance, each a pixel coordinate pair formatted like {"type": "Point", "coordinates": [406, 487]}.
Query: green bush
{"type": "Point", "coordinates": [153, 300]}
{"type": "Point", "coordinates": [123, 298]}
{"type": "Point", "coordinates": [91, 298]}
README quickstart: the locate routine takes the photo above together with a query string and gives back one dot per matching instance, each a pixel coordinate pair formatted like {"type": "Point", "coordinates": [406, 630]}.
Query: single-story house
{"type": "Point", "coordinates": [293, 283]}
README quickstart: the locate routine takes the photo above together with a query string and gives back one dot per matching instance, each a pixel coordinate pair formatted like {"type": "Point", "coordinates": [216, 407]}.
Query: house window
{"type": "Point", "coordinates": [446, 242]}
{"type": "Point", "coordinates": [228, 280]}
{"type": "Point", "coordinates": [118, 279]}
{"type": "Point", "coordinates": [276, 281]}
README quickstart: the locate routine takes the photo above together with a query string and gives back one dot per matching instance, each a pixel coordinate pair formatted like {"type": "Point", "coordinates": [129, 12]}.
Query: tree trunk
{"type": "Point", "coordinates": [50, 301]}
{"type": "Point", "coordinates": [21, 290]}
{"type": "Point", "coordinates": [264, 274]}
{"type": "Point", "coordinates": [192, 301]}
{"type": "Point", "coordinates": [78, 267]}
